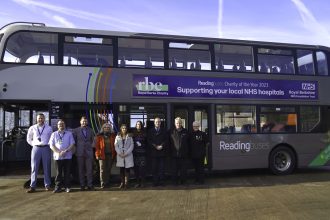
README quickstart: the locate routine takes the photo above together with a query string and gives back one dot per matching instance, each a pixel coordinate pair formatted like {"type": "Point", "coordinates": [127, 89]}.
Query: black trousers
{"type": "Point", "coordinates": [158, 164]}
{"type": "Point", "coordinates": [124, 172]}
{"type": "Point", "coordinates": [63, 167]}
{"type": "Point", "coordinates": [198, 164]}
{"type": "Point", "coordinates": [179, 170]}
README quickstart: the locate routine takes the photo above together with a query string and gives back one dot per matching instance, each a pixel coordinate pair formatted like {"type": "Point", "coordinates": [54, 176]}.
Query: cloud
{"type": "Point", "coordinates": [311, 23]}
{"type": "Point", "coordinates": [4, 13]}
{"type": "Point", "coordinates": [117, 23]}
{"type": "Point", "coordinates": [220, 19]}
{"type": "Point", "coordinates": [63, 21]}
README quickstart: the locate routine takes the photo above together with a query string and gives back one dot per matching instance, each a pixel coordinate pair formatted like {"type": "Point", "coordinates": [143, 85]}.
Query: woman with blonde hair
{"type": "Point", "coordinates": [124, 147]}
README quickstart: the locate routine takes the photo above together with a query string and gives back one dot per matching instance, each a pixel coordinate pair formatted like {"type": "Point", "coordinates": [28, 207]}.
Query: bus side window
{"type": "Point", "coordinates": [32, 47]}
{"type": "Point", "coordinates": [322, 63]}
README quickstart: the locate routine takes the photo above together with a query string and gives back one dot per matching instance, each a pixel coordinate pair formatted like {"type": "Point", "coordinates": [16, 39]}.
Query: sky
{"type": "Point", "coordinates": [287, 21]}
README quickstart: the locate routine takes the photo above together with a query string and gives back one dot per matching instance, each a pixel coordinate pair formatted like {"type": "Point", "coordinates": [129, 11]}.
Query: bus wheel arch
{"type": "Point", "coordinates": [282, 159]}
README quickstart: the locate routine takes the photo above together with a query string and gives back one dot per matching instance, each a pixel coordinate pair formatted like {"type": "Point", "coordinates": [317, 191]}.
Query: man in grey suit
{"type": "Point", "coordinates": [84, 137]}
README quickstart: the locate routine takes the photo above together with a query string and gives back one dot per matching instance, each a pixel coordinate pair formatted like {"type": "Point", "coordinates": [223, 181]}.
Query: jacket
{"type": "Point", "coordinates": [154, 139]}
{"type": "Point", "coordinates": [125, 147]}
{"type": "Point", "coordinates": [84, 144]}
{"type": "Point", "coordinates": [99, 146]}
{"type": "Point", "coordinates": [179, 141]}
{"type": "Point", "coordinates": [140, 143]}
{"type": "Point", "coordinates": [197, 142]}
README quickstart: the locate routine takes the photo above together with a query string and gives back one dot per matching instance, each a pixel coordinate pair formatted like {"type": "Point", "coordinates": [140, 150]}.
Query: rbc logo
{"type": "Point", "coordinates": [308, 86]}
{"type": "Point", "coordinates": [150, 86]}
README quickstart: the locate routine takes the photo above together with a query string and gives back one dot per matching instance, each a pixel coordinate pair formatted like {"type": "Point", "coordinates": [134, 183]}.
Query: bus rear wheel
{"type": "Point", "coordinates": [282, 161]}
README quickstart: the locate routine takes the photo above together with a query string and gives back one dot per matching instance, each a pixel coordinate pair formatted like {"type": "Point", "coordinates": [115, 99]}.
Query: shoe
{"type": "Point", "coordinates": [47, 188]}
{"type": "Point", "coordinates": [82, 188]}
{"type": "Point", "coordinates": [31, 190]}
{"type": "Point", "coordinates": [137, 185]}
{"type": "Point", "coordinates": [57, 190]}
{"type": "Point", "coordinates": [67, 190]}
{"type": "Point", "coordinates": [90, 188]}
{"type": "Point", "coordinates": [121, 186]}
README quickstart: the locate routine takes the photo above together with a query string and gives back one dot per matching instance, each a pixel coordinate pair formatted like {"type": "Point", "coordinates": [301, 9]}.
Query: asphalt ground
{"type": "Point", "coordinates": [245, 194]}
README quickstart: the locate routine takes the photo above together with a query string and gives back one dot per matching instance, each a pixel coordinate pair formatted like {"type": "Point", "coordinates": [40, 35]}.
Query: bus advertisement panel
{"type": "Point", "coordinates": [211, 87]}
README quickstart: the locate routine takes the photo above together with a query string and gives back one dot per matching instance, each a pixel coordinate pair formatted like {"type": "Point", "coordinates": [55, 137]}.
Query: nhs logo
{"type": "Point", "coordinates": [308, 86]}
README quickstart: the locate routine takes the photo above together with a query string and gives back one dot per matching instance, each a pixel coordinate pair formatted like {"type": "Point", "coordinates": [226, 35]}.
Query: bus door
{"type": "Point", "coordinates": [15, 119]}
{"type": "Point", "coordinates": [129, 114]}
{"type": "Point", "coordinates": [190, 113]}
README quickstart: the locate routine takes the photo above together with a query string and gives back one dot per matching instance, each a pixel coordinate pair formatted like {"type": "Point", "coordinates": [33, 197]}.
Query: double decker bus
{"type": "Point", "coordinates": [262, 104]}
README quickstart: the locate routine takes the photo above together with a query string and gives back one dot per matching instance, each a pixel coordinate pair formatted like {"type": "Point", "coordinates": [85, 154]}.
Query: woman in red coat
{"type": "Point", "coordinates": [105, 152]}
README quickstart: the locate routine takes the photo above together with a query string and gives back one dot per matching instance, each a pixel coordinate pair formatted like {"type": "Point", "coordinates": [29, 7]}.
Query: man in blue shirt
{"type": "Point", "coordinates": [62, 143]}
{"type": "Point", "coordinates": [38, 136]}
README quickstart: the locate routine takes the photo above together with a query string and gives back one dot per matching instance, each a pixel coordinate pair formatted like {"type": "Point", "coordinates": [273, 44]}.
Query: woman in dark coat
{"type": "Point", "coordinates": [139, 153]}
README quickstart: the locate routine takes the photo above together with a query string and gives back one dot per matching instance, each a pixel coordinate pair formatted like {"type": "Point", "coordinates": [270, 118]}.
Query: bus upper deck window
{"type": "Point", "coordinates": [32, 47]}
{"type": "Point", "coordinates": [140, 53]}
{"type": "Point", "coordinates": [305, 62]}
{"type": "Point", "coordinates": [236, 58]}
{"type": "Point", "coordinates": [322, 64]}
{"type": "Point", "coordinates": [88, 51]}
{"type": "Point", "coordinates": [275, 61]}
{"type": "Point", "coordinates": [190, 56]}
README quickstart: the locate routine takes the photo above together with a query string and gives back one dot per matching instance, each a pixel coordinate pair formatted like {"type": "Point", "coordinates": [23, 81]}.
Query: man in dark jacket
{"type": "Point", "coordinates": [179, 152]}
{"type": "Point", "coordinates": [198, 141]}
{"type": "Point", "coordinates": [157, 142]}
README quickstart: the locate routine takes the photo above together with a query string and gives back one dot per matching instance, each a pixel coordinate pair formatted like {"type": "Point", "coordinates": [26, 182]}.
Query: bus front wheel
{"type": "Point", "coordinates": [282, 160]}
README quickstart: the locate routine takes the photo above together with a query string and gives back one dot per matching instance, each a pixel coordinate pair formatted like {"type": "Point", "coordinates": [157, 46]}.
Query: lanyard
{"type": "Point", "coordinates": [61, 137]}
{"type": "Point", "coordinates": [40, 133]}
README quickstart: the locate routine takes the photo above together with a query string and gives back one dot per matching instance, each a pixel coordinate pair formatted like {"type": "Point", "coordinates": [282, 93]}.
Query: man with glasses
{"type": "Point", "coordinates": [62, 143]}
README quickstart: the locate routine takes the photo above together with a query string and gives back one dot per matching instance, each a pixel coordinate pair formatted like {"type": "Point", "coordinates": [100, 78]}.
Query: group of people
{"type": "Point", "coordinates": [128, 150]}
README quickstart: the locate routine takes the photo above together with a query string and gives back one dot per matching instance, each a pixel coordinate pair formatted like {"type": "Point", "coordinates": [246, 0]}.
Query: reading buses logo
{"type": "Point", "coordinates": [243, 146]}
{"type": "Point", "coordinates": [147, 87]}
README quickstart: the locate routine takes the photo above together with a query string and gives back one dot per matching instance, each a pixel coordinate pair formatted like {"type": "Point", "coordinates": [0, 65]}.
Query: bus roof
{"type": "Point", "coordinates": [41, 27]}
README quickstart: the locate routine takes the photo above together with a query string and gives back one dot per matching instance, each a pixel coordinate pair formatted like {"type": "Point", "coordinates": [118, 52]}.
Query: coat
{"type": "Point", "coordinates": [126, 148]}
{"type": "Point", "coordinates": [179, 141]}
{"type": "Point", "coordinates": [197, 142]}
{"type": "Point", "coordinates": [154, 139]}
{"type": "Point", "coordinates": [84, 145]}
{"type": "Point", "coordinates": [99, 146]}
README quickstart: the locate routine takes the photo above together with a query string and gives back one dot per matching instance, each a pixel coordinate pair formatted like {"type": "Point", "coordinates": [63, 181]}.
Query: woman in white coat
{"type": "Point", "coordinates": [124, 147]}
